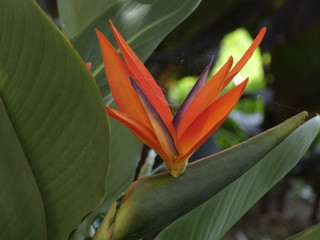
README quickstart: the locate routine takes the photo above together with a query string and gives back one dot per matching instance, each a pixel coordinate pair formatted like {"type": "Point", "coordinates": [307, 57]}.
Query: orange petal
{"type": "Point", "coordinates": [208, 121]}
{"type": "Point", "coordinates": [205, 98]}
{"type": "Point", "coordinates": [88, 65]}
{"type": "Point", "coordinates": [198, 86]}
{"type": "Point", "coordinates": [159, 128]}
{"type": "Point", "coordinates": [142, 132]}
{"type": "Point", "coordinates": [119, 82]}
{"type": "Point", "coordinates": [145, 80]}
{"type": "Point", "coordinates": [246, 56]}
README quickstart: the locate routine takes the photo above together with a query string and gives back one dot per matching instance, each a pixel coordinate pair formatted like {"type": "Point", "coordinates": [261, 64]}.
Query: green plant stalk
{"type": "Point", "coordinates": [152, 203]}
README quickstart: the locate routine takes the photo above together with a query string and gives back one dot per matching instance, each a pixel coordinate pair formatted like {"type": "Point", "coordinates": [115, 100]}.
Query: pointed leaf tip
{"type": "Point", "coordinates": [168, 198]}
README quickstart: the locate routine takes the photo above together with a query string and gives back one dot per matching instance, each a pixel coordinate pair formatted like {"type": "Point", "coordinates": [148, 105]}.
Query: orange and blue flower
{"type": "Point", "coordinates": [143, 108]}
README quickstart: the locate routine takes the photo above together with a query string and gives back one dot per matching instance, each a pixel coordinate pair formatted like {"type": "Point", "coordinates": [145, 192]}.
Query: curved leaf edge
{"type": "Point", "coordinates": [311, 233]}
{"type": "Point", "coordinates": [150, 202]}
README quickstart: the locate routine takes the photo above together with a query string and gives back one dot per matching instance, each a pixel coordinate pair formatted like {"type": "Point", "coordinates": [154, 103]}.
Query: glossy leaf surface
{"type": "Point", "coordinates": [143, 24]}
{"type": "Point", "coordinates": [74, 15]}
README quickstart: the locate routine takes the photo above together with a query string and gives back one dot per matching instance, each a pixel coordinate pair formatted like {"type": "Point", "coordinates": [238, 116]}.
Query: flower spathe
{"type": "Point", "coordinates": [142, 106]}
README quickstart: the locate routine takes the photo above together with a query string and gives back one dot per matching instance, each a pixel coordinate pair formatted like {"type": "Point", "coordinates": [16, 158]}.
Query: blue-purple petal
{"type": "Point", "coordinates": [155, 116]}
{"type": "Point", "coordinates": [201, 82]}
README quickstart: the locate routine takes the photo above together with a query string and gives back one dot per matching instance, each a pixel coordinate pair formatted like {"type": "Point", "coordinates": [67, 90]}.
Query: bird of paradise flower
{"type": "Point", "coordinates": [143, 108]}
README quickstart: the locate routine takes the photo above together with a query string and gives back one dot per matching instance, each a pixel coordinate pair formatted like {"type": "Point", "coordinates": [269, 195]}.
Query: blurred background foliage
{"type": "Point", "coordinates": [284, 80]}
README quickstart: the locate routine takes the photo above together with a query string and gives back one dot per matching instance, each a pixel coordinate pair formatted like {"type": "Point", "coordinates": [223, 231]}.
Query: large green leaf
{"type": "Point", "coordinates": [74, 15]}
{"type": "Point", "coordinates": [143, 23]}
{"type": "Point", "coordinates": [214, 218]}
{"type": "Point", "coordinates": [154, 202]}
{"type": "Point", "coordinates": [56, 127]}
{"type": "Point", "coordinates": [312, 233]}
{"type": "Point", "coordinates": [16, 183]}
{"type": "Point", "coordinates": [120, 176]}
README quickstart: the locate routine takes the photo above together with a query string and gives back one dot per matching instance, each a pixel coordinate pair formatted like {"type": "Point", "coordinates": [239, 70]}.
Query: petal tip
{"type": "Point", "coordinates": [113, 28]}
{"type": "Point", "coordinates": [98, 33]}
{"type": "Point", "coordinates": [261, 34]}
{"type": "Point", "coordinates": [88, 65]}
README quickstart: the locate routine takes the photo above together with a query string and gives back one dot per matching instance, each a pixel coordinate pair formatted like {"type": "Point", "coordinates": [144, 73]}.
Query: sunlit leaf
{"type": "Point", "coordinates": [143, 23]}
{"type": "Point", "coordinates": [74, 15]}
